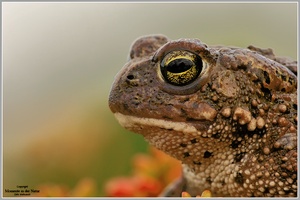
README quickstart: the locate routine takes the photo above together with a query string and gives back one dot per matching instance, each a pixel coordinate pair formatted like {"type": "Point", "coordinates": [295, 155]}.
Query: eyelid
{"type": "Point", "coordinates": [191, 45]}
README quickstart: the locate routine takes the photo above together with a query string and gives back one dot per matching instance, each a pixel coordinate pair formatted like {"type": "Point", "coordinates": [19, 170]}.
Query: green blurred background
{"type": "Point", "coordinates": [60, 59]}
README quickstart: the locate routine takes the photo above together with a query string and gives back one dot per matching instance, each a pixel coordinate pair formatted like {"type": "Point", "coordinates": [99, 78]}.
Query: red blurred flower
{"type": "Point", "coordinates": [151, 174]}
{"type": "Point", "coordinates": [133, 187]}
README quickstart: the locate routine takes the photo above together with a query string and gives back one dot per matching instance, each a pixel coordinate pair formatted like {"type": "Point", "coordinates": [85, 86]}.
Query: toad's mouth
{"type": "Point", "coordinates": [132, 122]}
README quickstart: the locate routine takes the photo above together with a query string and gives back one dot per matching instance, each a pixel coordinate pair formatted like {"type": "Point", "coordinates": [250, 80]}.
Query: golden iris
{"type": "Point", "coordinates": [181, 67]}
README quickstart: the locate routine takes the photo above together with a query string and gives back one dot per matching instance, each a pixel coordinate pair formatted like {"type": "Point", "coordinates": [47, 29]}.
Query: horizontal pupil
{"type": "Point", "coordinates": [179, 65]}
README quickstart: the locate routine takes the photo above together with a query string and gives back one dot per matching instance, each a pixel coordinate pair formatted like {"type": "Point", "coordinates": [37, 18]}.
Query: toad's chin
{"type": "Point", "coordinates": [131, 122]}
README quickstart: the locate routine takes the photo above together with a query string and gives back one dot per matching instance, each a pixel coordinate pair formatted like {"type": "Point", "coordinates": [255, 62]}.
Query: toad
{"type": "Point", "coordinates": [228, 114]}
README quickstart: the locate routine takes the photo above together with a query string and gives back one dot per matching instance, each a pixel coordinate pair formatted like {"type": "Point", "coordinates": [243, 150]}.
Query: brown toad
{"type": "Point", "coordinates": [228, 114]}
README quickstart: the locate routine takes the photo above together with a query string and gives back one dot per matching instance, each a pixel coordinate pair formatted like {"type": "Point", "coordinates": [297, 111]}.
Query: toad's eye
{"type": "Point", "coordinates": [181, 67]}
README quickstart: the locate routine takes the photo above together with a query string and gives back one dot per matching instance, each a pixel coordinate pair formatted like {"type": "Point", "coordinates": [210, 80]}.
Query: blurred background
{"type": "Point", "coordinates": [60, 59]}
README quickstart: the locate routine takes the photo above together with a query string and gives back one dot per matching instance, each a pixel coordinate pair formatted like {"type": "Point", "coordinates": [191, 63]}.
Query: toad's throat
{"type": "Point", "coordinates": [130, 122]}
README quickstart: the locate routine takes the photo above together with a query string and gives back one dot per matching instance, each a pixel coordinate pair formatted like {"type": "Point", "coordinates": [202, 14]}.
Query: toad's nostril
{"type": "Point", "coordinates": [130, 77]}
{"type": "Point", "coordinates": [132, 80]}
